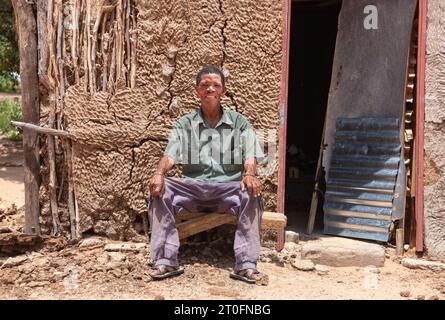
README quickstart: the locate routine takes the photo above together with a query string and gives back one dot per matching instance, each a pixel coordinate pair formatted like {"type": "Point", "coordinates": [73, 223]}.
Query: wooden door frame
{"type": "Point", "coordinates": [283, 104]}
{"type": "Point", "coordinates": [420, 115]}
{"type": "Point", "coordinates": [420, 118]}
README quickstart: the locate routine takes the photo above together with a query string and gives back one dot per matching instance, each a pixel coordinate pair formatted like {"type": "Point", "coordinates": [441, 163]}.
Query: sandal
{"type": "Point", "coordinates": [251, 276]}
{"type": "Point", "coordinates": [163, 272]}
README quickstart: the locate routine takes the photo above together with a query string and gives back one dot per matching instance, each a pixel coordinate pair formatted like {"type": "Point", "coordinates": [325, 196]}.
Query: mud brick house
{"type": "Point", "coordinates": [350, 93]}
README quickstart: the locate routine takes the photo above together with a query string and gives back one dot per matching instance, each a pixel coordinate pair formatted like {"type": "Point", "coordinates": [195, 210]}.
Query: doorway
{"type": "Point", "coordinates": [312, 45]}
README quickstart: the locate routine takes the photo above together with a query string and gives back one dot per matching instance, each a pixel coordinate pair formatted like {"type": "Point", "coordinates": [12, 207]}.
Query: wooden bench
{"type": "Point", "coordinates": [189, 224]}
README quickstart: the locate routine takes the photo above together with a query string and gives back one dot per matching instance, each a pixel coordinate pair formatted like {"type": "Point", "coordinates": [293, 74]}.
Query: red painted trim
{"type": "Point", "coordinates": [420, 118]}
{"type": "Point", "coordinates": [283, 105]}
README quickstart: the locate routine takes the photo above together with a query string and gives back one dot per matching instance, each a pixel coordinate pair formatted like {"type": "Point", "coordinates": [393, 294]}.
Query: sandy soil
{"type": "Point", "coordinates": [12, 189]}
{"type": "Point", "coordinates": [79, 272]}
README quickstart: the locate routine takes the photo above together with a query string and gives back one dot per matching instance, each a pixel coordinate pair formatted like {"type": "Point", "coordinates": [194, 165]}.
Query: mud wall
{"type": "Point", "coordinates": [120, 136]}
{"type": "Point", "coordinates": [434, 203]}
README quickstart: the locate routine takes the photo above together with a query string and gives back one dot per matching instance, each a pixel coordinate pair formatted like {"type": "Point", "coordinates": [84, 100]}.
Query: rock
{"type": "Point", "coordinates": [343, 252]}
{"type": "Point", "coordinates": [125, 247]}
{"type": "Point", "coordinates": [321, 269]}
{"type": "Point", "coordinates": [291, 246]}
{"type": "Point", "coordinates": [5, 230]}
{"type": "Point", "coordinates": [303, 265]}
{"type": "Point", "coordinates": [423, 264]}
{"type": "Point", "coordinates": [116, 272]}
{"type": "Point", "coordinates": [372, 269]}
{"type": "Point", "coordinates": [34, 284]}
{"type": "Point", "coordinates": [405, 293]}
{"type": "Point", "coordinates": [159, 297]}
{"type": "Point", "coordinates": [434, 297]}
{"type": "Point", "coordinates": [15, 261]}
{"type": "Point", "coordinates": [292, 236]}
{"type": "Point", "coordinates": [207, 251]}
{"type": "Point", "coordinates": [27, 268]}
{"type": "Point", "coordinates": [91, 243]}
{"type": "Point", "coordinates": [420, 297]}
{"type": "Point", "coordinates": [116, 257]}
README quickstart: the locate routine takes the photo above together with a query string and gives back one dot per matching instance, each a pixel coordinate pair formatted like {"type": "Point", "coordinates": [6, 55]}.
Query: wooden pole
{"type": "Point", "coordinates": [39, 129]}
{"type": "Point", "coordinates": [26, 26]}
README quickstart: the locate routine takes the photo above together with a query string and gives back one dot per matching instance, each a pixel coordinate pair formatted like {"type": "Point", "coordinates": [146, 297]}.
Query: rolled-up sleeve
{"type": "Point", "coordinates": [250, 143]}
{"type": "Point", "coordinates": [174, 145]}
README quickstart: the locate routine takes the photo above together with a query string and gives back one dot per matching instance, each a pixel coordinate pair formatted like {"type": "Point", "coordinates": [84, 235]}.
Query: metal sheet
{"type": "Point", "coordinates": [364, 178]}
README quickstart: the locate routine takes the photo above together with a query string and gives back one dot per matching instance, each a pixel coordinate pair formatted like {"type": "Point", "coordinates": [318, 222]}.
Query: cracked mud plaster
{"type": "Point", "coordinates": [434, 170]}
{"type": "Point", "coordinates": [120, 138]}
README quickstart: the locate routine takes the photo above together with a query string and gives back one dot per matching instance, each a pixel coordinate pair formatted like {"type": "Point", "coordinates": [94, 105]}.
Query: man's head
{"type": "Point", "coordinates": [210, 86]}
{"type": "Point", "coordinates": [208, 70]}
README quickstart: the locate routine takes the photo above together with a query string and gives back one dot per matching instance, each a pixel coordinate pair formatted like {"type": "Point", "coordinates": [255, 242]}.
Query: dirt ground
{"type": "Point", "coordinates": [54, 268]}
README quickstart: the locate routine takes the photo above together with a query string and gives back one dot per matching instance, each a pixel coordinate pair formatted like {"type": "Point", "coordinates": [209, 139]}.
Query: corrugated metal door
{"type": "Point", "coordinates": [361, 187]}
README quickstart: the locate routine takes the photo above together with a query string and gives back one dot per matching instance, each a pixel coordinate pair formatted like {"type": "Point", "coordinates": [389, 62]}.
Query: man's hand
{"type": "Point", "coordinates": [157, 185]}
{"type": "Point", "coordinates": [253, 185]}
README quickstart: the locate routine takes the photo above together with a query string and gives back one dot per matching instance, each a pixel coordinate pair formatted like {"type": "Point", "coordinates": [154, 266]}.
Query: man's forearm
{"type": "Point", "coordinates": [164, 165]}
{"type": "Point", "coordinates": [250, 166]}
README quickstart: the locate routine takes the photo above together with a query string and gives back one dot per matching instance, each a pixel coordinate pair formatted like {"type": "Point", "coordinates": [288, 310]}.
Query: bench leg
{"type": "Point", "coordinates": [280, 240]}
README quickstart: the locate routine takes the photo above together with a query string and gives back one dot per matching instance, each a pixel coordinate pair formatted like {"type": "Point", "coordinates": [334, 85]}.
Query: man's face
{"type": "Point", "coordinates": [210, 89]}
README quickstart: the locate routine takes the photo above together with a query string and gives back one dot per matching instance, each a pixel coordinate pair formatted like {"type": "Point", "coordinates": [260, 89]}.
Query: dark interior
{"type": "Point", "coordinates": [312, 45]}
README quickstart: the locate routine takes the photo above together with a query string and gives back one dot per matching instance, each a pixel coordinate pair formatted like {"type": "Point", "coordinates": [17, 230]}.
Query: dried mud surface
{"type": "Point", "coordinates": [434, 174]}
{"type": "Point", "coordinates": [120, 137]}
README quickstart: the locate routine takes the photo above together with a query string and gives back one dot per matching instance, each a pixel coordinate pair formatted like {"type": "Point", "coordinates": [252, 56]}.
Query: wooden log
{"type": "Point", "coordinates": [198, 222]}
{"type": "Point", "coordinates": [400, 241]}
{"type": "Point", "coordinates": [207, 222]}
{"type": "Point", "coordinates": [26, 26]}
{"type": "Point", "coordinates": [38, 129]}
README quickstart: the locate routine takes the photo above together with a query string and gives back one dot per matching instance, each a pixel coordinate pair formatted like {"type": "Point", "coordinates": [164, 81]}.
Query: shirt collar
{"type": "Point", "coordinates": [224, 118]}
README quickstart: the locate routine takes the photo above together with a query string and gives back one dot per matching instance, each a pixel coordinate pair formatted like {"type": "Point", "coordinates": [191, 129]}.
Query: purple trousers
{"type": "Point", "coordinates": [204, 196]}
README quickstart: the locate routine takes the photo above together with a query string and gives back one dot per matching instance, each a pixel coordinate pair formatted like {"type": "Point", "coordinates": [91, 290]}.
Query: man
{"type": "Point", "coordinates": [218, 150]}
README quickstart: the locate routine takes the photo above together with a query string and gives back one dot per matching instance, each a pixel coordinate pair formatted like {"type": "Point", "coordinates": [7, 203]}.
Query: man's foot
{"type": "Point", "coordinates": [251, 276]}
{"type": "Point", "coordinates": [162, 272]}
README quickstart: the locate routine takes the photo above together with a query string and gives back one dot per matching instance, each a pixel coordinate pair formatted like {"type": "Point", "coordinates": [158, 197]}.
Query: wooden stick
{"type": "Point", "coordinates": [119, 40]}
{"type": "Point", "coordinates": [71, 204]}
{"type": "Point", "coordinates": [42, 36]}
{"type": "Point", "coordinates": [55, 68]}
{"type": "Point", "coordinates": [94, 43]}
{"type": "Point", "coordinates": [26, 27]}
{"type": "Point", "coordinates": [39, 129]}
{"type": "Point", "coordinates": [74, 44]}
{"type": "Point", "coordinates": [133, 47]}
{"type": "Point", "coordinates": [76, 207]}
{"type": "Point", "coordinates": [127, 42]}
{"type": "Point", "coordinates": [103, 49]}
{"type": "Point", "coordinates": [85, 48]}
{"type": "Point", "coordinates": [315, 195]}
{"type": "Point", "coordinates": [89, 62]}
{"type": "Point", "coordinates": [400, 242]}
{"type": "Point", "coordinates": [52, 186]}
{"type": "Point", "coordinates": [111, 78]}
{"type": "Point", "coordinates": [60, 63]}
{"type": "Point", "coordinates": [49, 24]}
